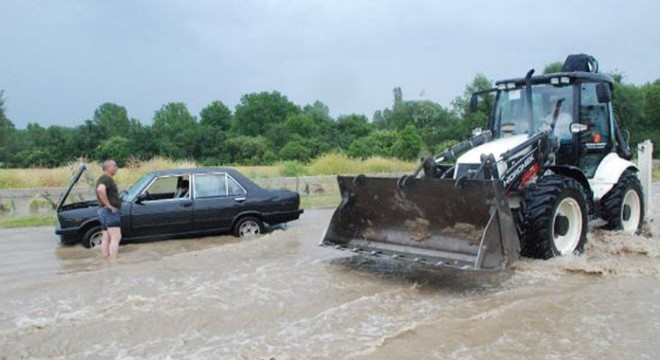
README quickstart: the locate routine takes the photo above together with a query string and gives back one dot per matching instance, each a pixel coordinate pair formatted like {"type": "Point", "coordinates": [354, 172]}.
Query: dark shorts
{"type": "Point", "coordinates": [108, 219]}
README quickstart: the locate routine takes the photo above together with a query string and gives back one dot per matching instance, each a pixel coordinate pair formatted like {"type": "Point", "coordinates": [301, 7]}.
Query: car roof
{"type": "Point", "coordinates": [230, 171]}
{"type": "Point", "coordinates": [246, 182]}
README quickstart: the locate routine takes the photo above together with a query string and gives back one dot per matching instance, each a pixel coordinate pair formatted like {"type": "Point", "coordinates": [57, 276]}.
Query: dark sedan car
{"type": "Point", "coordinates": [182, 203]}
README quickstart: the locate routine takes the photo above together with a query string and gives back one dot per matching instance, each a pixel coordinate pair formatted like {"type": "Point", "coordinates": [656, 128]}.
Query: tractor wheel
{"type": "Point", "coordinates": [555, 218]}
{"type": "Point", "coordinates": [623, 206]}
{"type": "Point", "coordinates": [92, 237]}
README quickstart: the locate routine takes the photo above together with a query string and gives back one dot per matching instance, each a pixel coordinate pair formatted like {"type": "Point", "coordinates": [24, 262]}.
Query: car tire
{"type": "Point", "coordinates": [92, 237]}
{"type": "Point", "coordinates": [556, 218]}
{"type": "Point", "coordinates": [248, 226]}
{"type": "Point", "coordinates": [623, 206]}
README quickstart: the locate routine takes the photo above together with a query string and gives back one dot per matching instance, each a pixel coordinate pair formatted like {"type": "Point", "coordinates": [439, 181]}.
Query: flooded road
{"type": "Point", "coordinates": [281, 296]}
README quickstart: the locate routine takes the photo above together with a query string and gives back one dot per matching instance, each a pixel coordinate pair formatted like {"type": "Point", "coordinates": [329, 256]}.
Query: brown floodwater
{"type": "Point", "coordinates": [281, 296]}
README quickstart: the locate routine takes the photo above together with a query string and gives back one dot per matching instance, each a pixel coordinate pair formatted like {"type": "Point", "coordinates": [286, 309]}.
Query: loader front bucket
{"type": "Point", "coordinates": [442, 222]}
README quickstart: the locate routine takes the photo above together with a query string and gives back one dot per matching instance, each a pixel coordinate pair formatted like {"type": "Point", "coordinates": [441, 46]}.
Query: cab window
{"type": "Point", "coordinates": [594, 115]}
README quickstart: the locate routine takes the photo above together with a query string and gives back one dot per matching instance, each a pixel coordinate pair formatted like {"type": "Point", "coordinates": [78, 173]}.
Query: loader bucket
{"type": "Point", "coordinates": [441, 222]}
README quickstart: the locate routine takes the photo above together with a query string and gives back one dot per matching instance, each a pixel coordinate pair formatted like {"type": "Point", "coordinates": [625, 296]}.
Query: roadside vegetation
{"type": "Point", "coordinates": [330, 164]}
{"type": "Point", "coordinates": [28, 221]}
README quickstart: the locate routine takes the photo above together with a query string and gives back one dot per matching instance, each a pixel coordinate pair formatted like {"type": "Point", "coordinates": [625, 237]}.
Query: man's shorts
{"type": "Point", "coordinates": [108, 219]}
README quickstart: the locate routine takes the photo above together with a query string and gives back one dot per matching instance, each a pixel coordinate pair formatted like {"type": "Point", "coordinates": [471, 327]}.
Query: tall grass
{"type": "Point", "coordinates": [335, 163]}
{"type": "Point", "coordinates": [330, 164]}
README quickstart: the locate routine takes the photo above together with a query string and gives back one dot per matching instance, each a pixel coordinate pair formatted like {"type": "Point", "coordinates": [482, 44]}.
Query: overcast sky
{"type": "Point", "coordinates": [60, 60]}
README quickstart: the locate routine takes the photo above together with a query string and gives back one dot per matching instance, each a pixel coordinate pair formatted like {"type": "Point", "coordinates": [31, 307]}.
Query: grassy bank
{"type": "Point", "coordinates": [28, 221]}
{"type": "Point", "coordinates": [330, 164]}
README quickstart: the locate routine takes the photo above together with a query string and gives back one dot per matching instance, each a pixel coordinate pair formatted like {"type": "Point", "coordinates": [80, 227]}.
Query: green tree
{"type": "Point", "coordinates": [326, 134]}
{"type": "Point", "coordinates": [351, 127]}
{"type": "Point", "coordinates": [651, 120]}
{"type": "Point", "coordinates": [261, 113]}
{"type": "Point", "coordinates": [298, 148]}
{"type": "Point", "coordinates": [408, 145]}
{"type": "Point", "coordinates": [379, 142]}
{"type": "Point", "coordinates": [360, 148]}
{"type": "Point", "coordinates": [112, 120]}
{"type": "Point", "coordinates": [48, 147]}
{"type": "Point", "coordinates": [470, 119]}
{"type": "Point", "coordinates": [176, 131]}
{"type": "Point", "coordinates": [216, 115]}
{"type": "Point", "coordinates": [87, 138]}
{"type": "Point", "coordinates": [142, 141]}
{"type": "Point", "coordinates": [628, 103]}
{"type": "Point", "coordinates": [7, 136]}
{"type": "Point", "coordinates": [117, 148]}
{"type": "Point", "coordinates": [248, 150]}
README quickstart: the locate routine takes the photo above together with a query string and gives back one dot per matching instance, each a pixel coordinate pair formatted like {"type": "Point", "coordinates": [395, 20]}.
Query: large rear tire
{"type": "Point", "coordinates": [555, 217]}
{"type": "Point", "coordinates": [623, 206]}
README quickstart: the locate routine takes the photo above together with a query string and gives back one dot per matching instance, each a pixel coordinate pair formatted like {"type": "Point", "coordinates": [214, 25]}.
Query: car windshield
{"type": "Point", "coordinates": [511, 112]}
{"type": "Point", "coordinates": [135, 189]}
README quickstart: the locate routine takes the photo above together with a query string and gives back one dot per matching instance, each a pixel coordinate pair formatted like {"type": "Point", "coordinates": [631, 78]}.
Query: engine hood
{"type": "Point", "coordinates": [496, 147]}
{"type": "Point", "coordinates": [75, 176]}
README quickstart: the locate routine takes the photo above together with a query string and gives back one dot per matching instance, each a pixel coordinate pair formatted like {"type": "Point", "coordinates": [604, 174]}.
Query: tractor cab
{"type": "Point", "coordinates": [575, 105]}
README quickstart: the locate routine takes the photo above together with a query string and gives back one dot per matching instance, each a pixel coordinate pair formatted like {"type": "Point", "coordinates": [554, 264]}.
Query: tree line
{"type": "Point", "coordinates": [267, 127]}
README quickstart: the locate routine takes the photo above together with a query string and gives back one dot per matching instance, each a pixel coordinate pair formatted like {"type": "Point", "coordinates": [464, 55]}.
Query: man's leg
{"type": "Point", "coordinates": [105, 243]}
{"type": "Point", "coordinates": [115, 238]}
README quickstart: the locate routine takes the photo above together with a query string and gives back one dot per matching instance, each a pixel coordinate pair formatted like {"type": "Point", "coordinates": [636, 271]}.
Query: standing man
{"type": "Point", "coordinates": [110, 204]}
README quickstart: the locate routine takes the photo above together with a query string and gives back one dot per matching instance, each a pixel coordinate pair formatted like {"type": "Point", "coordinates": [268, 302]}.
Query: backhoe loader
{"type": "Point", "coordinates": [551, 159]}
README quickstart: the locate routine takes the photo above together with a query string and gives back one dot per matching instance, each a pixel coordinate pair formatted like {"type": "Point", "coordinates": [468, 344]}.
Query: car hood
{"type": "Point", "coordinates": [75, 177]}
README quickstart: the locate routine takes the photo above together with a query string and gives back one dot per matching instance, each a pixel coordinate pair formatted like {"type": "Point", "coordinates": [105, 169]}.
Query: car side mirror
{"type": "Point", "coordinates": [142, 197]}
{"type": "Point", "coordinates": [577, 128]}
{"type": "Point", "coordinates": [604, 93]}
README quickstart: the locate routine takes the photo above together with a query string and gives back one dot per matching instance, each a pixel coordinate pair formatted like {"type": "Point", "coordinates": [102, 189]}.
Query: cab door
{"type": "Point", "coordinates": [597, 140]}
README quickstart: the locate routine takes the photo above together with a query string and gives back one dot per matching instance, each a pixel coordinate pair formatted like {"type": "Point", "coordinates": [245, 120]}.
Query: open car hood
{"type": "Point", "coordinates": [75, 177]}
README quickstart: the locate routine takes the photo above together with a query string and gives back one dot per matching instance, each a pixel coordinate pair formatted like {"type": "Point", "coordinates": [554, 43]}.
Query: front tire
{"type": "Point", "coordinates": [556, 218]}
{"type": "Point", "coordinates": [92, 237]}
{"type": "Point", "coordinates": [248, 226]}
{"type": "Point", "coordinates": [623, 206]}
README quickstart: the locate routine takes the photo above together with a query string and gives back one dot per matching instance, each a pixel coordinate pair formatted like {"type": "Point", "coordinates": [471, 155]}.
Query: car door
{"type": "Point", "coordinates": [218, 200]}
{"type": "Point", "coordinates": [162, 208]}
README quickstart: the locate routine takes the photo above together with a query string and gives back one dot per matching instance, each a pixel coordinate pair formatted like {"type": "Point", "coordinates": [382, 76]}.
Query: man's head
{"type": "Point", "coordinates": [109, 167]}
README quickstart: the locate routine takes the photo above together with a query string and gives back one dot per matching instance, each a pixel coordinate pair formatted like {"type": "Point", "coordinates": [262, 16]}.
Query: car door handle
{"type": "Point", "coordinates": [240, 199]}
{"type": "Point", "coordinates": [186, 204]}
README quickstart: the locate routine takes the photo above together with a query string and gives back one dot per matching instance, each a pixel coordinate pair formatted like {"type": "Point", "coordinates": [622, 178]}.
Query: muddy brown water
{"type": "Point", "coordinates": [281, 296]}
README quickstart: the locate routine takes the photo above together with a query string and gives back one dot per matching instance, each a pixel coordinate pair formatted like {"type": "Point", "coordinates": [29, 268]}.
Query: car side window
{"type": "Point", "coordinates": [233, 188]}
{"type": "Point", "coordinates": [210, 185]}
{"type": "Point", "coordinates": [165, 188]}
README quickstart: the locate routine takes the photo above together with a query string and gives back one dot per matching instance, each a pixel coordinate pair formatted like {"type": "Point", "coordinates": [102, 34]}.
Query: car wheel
{"type": "Point", "coordinates": [248, 226]}
{"type": "Point", "coordinates": [93, 237]}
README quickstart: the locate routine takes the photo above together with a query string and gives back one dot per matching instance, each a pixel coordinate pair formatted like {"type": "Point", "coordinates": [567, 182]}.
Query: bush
{"type": "Point", "coordinates": [292, 168]}
{"type": "Point", "coordinates": [335, 163]}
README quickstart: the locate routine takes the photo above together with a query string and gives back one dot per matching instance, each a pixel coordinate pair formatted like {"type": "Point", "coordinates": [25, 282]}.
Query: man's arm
{"type": "Point", "coordinates": [103, 196]}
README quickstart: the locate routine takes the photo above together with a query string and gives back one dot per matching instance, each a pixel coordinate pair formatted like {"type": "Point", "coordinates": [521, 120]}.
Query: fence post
{"type": "Point", "coordinates": [645, 164]}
